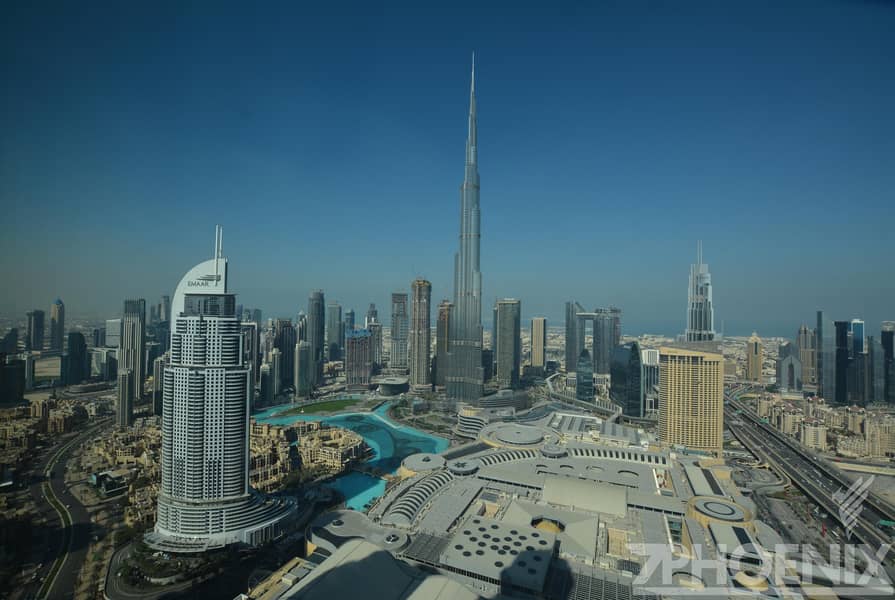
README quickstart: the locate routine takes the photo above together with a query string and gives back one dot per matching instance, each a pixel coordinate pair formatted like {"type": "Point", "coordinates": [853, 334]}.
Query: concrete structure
{"type": "Point", "coordinates": [813, 435]}
{"type": "Point", "coordinates": [539, 342]}
{"type": "Point", "coordinates": [754, 358]}
{"type": "Point", "coordinates": [442, 342]}
{"type": "Point", "coordinates": [358, 359]}
{"type": "Point", "coordinates": [316, 330]}
{"type": "Point", "coordinates": [466, 375]}
{"type": "Point", "coordinates": [509, 342]}
{"type": "Point", "coordinates": [420, 332]}
{"type": "Point", "coordinates": [132, 345]}
{"type": "Point", "coordinates": [124, 409]}
{"type": "Point", "coordinates": [57, 325]}
{"type": "Point", "coordinates": [34, 340]}
{"type": "Point", "coordinates": [399, 331]}
{"type": "Point", "coordinates": [605, 324]}
{"type": "Point", "coordinates": [691, 399]}
{"type": "Point", "coordinates": [205, 500]}
{"type": "Point", "coordinates": [700, 310]}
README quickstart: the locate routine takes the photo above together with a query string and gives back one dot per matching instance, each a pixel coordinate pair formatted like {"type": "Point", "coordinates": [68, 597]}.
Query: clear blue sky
{"type": "Point", "coordinates": [612, 136]}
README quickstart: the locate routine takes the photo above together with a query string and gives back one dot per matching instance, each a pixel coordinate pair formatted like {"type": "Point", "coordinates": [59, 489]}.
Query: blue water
{"type": "Point", "coordinates": [391, 443]}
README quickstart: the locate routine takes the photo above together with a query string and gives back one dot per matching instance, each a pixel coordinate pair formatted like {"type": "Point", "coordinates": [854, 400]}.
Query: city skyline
{"type": "Point", "coordinates": [605, 130]}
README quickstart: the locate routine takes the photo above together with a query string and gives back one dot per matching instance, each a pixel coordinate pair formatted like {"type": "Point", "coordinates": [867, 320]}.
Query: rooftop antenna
{"type": "Point", "coordinates": [699, 252]}
{"type": "Point", "coordinates": [218, 243]}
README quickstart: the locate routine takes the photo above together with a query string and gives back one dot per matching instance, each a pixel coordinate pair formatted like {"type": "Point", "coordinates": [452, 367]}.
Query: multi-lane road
{"type": "Point", "coordinates": [807, 471]}
{"type": "Point", "coordinates": [67, 519]}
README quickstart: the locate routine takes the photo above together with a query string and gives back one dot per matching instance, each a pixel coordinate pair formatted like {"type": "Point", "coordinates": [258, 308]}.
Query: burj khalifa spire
{"type": "Point", "coordinates": [465, 374]}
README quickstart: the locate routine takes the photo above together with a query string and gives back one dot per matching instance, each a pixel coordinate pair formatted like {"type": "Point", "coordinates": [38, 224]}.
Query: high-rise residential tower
{"type": "Point", "coordinates": [539, 342]}
{"type": "Point", "coordinates": [75, 361]}
{"type": "Point", "coordinates": [806, 342]}
{"type": "Point", "coordinates": [442, 342]}
{"type": "Point", "coordinates": [887, 341]}
{"type": "Point", "coordinates": [465, 372]}
{"type": "Point", "coordinates": [124, 409]}
{"type": "Point", "coordinates": [334, 328]}
{"type": "Point", "coordinates": [372, 316]}
{"type": "Point", "coordinates": [754, 358]}
{"type": "Point", "coordinates": [509, 342]}
{"type": "Point", "coordinates": [573, 350]}
{"type": "Point", "coordinates": [35, 338]}
{"type": "Point", "coordinates": [133, 341]}
{"type": "Point", "coordinates": [57, 325]}
{"type": "Point", "coordinates": [358, 359]}
{"type": "Point", "coordinates": [691, 399]}
{"type": "Point", "coordinates": [303, 369]}
{"type": "Point", "coordinates": [285, 338]}
{"type": "Point", "coordinates": [420, 332]}
{"type": "Point", "coordinates": [399, 332]}
{"type": "Point", "coordinates": [584, 377]}
{"type": "Point", "coordinates": [700, 311]}
{"type": "Point", "coordinates": [316, 329]}
{"type": "Point", "coordinates": [205, 500]}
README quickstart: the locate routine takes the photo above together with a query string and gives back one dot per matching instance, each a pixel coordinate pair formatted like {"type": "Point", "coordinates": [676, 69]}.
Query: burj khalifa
{"type": "Point", "coordinates": [465, 374]}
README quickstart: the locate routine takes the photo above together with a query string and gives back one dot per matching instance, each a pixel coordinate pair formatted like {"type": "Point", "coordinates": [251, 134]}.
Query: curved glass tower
{"type": "Point", "coordinates": [465, 375]}
{"type": "Point", "coordinates": [205, 500]}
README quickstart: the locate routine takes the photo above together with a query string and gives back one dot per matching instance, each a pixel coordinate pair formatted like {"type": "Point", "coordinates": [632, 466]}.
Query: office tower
{"type": "Point", "coordinates": [691, 399]}
{"type": "Point", "coordinates": [626, 373]}
{"type": "Point", "coordinates": [857, 335]}
{"type": "Point", "coordinates": [99, 337]}
{"type": "Point", "coordinates": [12, 380]}
{"type": "Point", "coordinates": [158, 378]}
{"type": "Point", "coordinates": [400, 329]}
{"type": "Point", "coordinates": [649, 359]}
{"type": "Point", "coordinates": [539, 342]}
{"type": "Point", "coordinates": [789, 368]}
{"type": "Point", "coordinates": [573, 350]}
{"type": "Point", "coordinates": [124, 410]}
{"type": "Point", "coordinates": [250, 350]}
{"type": "Point", "coordinates": [204, 499]}
{"type": "Point", "coordinates": [333, 331]}
{"type": "Point", "coordinates": [466, 374]}
{"type": "Point", "coordinates": [165, 308]}
{"type": "Point", "coordinates": [875, 371]}
{"type": "Point", "coordinates": [358, 359]}
{"type": "Point", "coordinates": [887, 341]}
{"type": "Point", "coordinates": [372, 316]}
{"type": "Point", "coordinates": [700, 312]}
{"type": "Point", "coordinates": [316, 328]}
{"type": "Point", "coordinates": [29, 370]}
{"type": "Point", "coordinates": [153, 314]}
{"type": "Point", "coordinates": [35, 339]}
{"type": "Point", "coordinates": [509, 342]}
{"type": "Point", "coordinates": [826, 357]}
{"type": "Point", "coordinates": [57, 325]}
{"type": "Point", "coordinates": [442, 339]}
{"type": "Point", "coordinates": [606, 336]}
{"type": "Point", "coordinates": [133, 340]}
{"type": "Point", "coordinates": [256, 316]}
{"type": "Point", "coordinates": [266, 386]}
{"type": "Point", "coordinates": [275, 360]}
{"type": "Point", "coordinates": [806, 341]}
{"type": "Point", "coordinates": [301, 326]}
{"type": "Point", "coordinates": [10, 342]}
{"type": "Point", "coordinates": [754, 357]}
{"type": "Point", "coordinates": [420, 332]}
{"type": "Point", "coordinates": [285, 338]}
{"type": "Point", "coordinates": [487, 364]}
{"type": "Point", "coordinates": [841, 362]}
{"type": "Point", "coordinates": [375, 329]}
{"type": "Point", "coordinates": [349, 320]}
{"type": "Point", "coordinates": [113, 333]}
{"type": "Point", "coordinates": [584, 377]}
{"type": "Point", "coordinates": [75, 362]}
{"type": "Point", "coordinates": [303, 369]}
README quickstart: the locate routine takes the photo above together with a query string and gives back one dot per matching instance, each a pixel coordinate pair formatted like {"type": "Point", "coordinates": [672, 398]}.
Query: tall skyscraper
{"type": "Point", "coordinates": [626, 372]}
{"type": "Point", "coordinates": [303, 368]}
{"type": "Point", "coordinates": [420, 332]}
{"type": "Point", "coordinates": [35, 339]}
{"type": "Point", "coordinates": [539, 342]}
{"type": "Point", "coordinates": [584, 377]}
{"type": "Point", "coordinates": [375, 329]}
{"type": "Point", "coordinates": [754, 358]}
{"type": "Point", "coordinates": [99, 337]}
{"type": "Point", "coordinates": [606, 331]}
{"type": "Point", "coordinates": [841, 362]}
{"type": "Point", "coordinates": [57, 325]}
{"type": "Point", "coordinates": [124, 410]}
{"type": "Point", "coordinates": [700, 311]}
{"type": "Point", "coordinates": [316, 329]}
{"type": "Point", "coordinates": [372, 316]}
{"type": "Point", "coordinates": [75, 361]}
{"type": "Point", "coordinates": [113, 333]}
{"type": "Point", "coordinates": [10, 342]}
{"type": "Point", "coordinates": [806, 341]}
{"type": "Point", "coordinates": [158, 381]}
{"type": "Point", "coordinates": [400, 331]}
{"type": "Point", "coordinates": [858, 337]}
{"type": "Point", "coordinates": [250, 352]}
{"type": "Point", "coordinates": [887, 341]}
{"type": "Point", "coordinates": [349, 322]}
{"type": "Point", "coordinates": [466, 374]}
{"type": "Point", "coordinates": [205, 500]}
{"type": "Point", "coordinates": [133, 341]}
{"type": "Point", "coordinates": [275, 360]}
{"type": "Point", "coordinates": [334, 331]}
{"type": "Point", "coordinates": [285, 338]}
{"type": "Point", "coordinates": [165, 308]}
{"type": "Point", "coordinates": [509, 342]}
{"type": "Point", "coordinates": [573, 349]}
{"type": "Point", "coordinates": [358, 359]}
{"type": "Point", "coordinates": [442, 342]}
{"type": "Point", "coordinates": [691, 399]}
